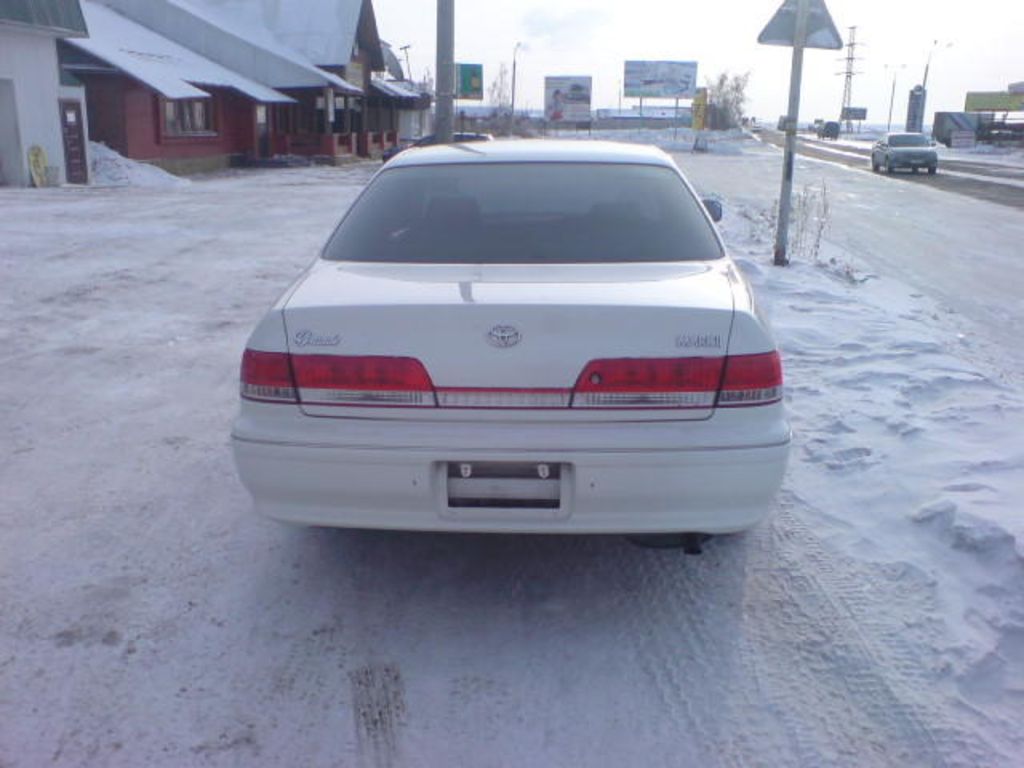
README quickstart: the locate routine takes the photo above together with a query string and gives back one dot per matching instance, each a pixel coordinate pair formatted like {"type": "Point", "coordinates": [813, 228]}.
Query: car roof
{"type": "Point", "coordinates": [534, 151]}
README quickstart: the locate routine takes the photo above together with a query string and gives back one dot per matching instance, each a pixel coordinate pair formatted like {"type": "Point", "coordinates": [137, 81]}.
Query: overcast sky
{"type": "Point", "coordinates": [594, 37]}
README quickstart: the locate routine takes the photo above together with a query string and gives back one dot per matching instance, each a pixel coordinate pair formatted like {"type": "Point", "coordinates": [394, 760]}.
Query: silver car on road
{"type": "Point", "coordinates": [904, 150]}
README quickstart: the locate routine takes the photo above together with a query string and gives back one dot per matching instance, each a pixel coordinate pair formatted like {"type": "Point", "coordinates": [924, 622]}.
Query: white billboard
{"type": "Point", "coordinates": [661, 79]}
{"type": "Point", "coordinates": [567, 99]}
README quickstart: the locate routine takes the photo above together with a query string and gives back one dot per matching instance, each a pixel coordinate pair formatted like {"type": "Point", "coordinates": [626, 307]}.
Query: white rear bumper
{"type": "Point", "coordinates": [383, 478]}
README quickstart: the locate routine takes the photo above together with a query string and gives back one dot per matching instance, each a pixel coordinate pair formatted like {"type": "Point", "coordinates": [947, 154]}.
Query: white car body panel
{"type": "Point", "coordinates": [567, 315]}
{"type": "Point", "coordinates": [708, 470]}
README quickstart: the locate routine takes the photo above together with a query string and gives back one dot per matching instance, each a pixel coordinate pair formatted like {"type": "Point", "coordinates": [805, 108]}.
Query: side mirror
{"type": "Point", "coordinates": [713, 207]}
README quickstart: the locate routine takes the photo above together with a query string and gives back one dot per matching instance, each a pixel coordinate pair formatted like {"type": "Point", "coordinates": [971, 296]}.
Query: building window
{"type": "Point", "coordinates": [188, 117]}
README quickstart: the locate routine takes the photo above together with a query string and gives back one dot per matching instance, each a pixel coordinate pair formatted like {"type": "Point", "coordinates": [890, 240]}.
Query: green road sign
{"type": "Point", "coordinates": [469, 81]}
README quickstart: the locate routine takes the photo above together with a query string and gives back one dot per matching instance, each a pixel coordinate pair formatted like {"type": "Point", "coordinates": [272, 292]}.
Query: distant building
{"type": "Point", "coordinates": [36, 109]}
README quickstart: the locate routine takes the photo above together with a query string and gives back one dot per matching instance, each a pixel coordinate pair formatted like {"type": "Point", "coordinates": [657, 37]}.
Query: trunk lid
{"type": "Point", "coordinates": [511, 327]}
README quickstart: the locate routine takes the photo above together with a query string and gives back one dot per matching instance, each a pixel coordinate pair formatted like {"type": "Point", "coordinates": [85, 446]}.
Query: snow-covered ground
{"type": "Point", "coordinates": [150, 619]}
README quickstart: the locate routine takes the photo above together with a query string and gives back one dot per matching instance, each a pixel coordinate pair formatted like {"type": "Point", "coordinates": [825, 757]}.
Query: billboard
{"type": "Point", "coordinates": [469, 81]}
{"type": "Point", "coordinates": [567, 99]}
{"type": "Point", "coordinates": [661, 79]}
{"type": "Point", "coordinates": [854, 113]}
{"type": "Point", "coordinates": [997, 101]}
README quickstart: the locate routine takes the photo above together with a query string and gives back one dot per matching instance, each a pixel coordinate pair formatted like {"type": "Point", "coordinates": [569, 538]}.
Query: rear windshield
{"type": "Point", "coordinates": [908, 141]}
{"type": "Point", "coordinates": [525, 213]}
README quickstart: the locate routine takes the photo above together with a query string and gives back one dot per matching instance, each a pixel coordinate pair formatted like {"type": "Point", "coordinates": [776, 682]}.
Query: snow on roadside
{"type": "Point", "coordinates": [668, 139]}
{"type": "Point", "coordinates": [987, 154]}
{"type": "Point", "coordinates": [908, 454]}
{"type": "Point", "coordinates": [111, 169]}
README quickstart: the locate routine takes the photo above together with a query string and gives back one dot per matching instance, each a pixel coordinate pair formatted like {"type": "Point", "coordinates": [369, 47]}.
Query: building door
{"type": "Point", "coordinates": [74, 142]}
{"type": "Point", "coordinates": [12, 168]}
{"type": "Point", "coordinates": [262, 131]}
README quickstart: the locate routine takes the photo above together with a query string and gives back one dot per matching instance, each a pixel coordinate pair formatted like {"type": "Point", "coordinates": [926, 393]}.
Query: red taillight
{"type": "Point", "coordinates": [685, 382]}
{"type": "Point", "coordinates": [751, 380]}
{"type": "Point", "coordinates": [267, 376]}
{"type": "Point", "coordinates": [382, 381]}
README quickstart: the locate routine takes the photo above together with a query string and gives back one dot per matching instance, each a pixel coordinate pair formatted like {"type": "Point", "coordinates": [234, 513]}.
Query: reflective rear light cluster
{"type": "Point", "coordinates": [626, 383]}
{"type": "Point", "coordinates": [267, 377]}
{"type": "Point", "coordinates": [689, 382]}
{"type": "Point", "coordinates": [751, 380]}
{"type": "Point", "coordinates": [504, 398]}
{"type": "Point", "coordinates": [338, 380]}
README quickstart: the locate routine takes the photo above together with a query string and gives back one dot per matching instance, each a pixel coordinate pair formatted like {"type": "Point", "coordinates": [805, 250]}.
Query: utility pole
{"type": "Point", "coordinates": [445, 95]}
{"type": "Point", "coordinates": [851, 59]}
{"type": "Point", "coordinates": [408, 67]}
{"type": "Point", "coordinates": [515, 51]}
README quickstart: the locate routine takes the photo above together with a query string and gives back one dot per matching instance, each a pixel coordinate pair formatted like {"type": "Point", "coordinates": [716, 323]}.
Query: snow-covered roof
{"type": "Point", "coordinates": [323, 31]}
{"type": "Point", "coordinates": [232, 33]}
{"type": "Point", "coordinates": [396, 89]}
{"type": "Point", "coordinates": [163, 65]}
{"type": "Point", "coordinates": [392, 64]}
{"type": "Point", "coordinates": [62, 17]}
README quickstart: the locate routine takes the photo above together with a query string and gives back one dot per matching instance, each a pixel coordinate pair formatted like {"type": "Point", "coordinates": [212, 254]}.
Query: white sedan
{"type": "Point", "coordinates": [529, 336]}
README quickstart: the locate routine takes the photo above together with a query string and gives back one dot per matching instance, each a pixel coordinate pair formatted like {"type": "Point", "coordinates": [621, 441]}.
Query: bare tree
{"type": "Point", "coordinates": [727, 99]}
{"type": "Point", "coordinates": [500, 92]}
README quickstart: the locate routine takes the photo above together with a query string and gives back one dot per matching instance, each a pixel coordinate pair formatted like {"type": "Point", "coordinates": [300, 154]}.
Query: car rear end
{"type": "Point", "coordinates": [911, 151]}
{"type": "Point", "coordinates": [465, 392]}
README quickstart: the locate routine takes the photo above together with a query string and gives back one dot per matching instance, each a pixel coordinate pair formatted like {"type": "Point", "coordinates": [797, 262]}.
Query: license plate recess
{"type": "Point", "coordinates": [504, 485]}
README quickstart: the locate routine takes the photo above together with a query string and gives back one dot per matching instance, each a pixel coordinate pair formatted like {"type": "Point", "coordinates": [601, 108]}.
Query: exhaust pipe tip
{"type": "Point", "coordinates": [690, 543]}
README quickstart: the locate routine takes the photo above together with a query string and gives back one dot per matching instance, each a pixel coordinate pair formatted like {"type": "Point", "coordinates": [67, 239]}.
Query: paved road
{"type": "Point", "coordinates": [1003, 184]}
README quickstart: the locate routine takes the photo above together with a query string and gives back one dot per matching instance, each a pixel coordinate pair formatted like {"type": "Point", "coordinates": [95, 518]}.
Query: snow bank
{"type": "Point", "coordinates": [110, 169]}
{"type": "Point", "coordinates": [907, 446]}
{"type": "Point", "coordinates": [669, 139]}
{"type": "Point", "coordinates": [987, 153]}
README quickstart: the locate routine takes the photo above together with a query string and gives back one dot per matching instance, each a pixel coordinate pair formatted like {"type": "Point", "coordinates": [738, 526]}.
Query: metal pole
{"type": "Point", "coordinates": [444, 127]}
{"type": "Point", "coordinates": [408, 64]}
{"type": "Point", "coordinates": [514, 52]}
{"type": "Point", "coordinates": [785, 196]}
{"type": "Point", "coordinates": [892, 98]}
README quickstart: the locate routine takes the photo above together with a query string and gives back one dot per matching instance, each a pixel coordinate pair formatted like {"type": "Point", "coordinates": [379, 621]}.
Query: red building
{"type": "Point", "coordinates": [222, 92]}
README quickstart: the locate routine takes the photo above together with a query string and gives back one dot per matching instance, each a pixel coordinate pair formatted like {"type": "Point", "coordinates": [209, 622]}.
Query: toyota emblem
{"type": "Point", "coordinates": [504, 336]}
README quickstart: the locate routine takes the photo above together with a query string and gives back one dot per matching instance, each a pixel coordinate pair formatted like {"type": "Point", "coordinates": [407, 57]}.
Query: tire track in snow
{"type": "Point", "coordinates": [689, 654]}
{"type": "Point", "coordinates": [836, 619]}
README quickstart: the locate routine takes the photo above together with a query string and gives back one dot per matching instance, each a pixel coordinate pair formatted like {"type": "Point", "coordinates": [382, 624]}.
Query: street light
{"type": "Point", "coordinates": [515, 52]}
{"type": "Point", "coordinates": [924, 82]}
{"type": "Point", "coordinates": [892, 96]}
{"type": "Point", "coordinates": [408, 66]}
{"type": "Point", "coordinates": [935, 44]}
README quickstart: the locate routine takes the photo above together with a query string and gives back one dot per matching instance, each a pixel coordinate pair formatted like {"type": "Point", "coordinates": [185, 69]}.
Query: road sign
{"type": "Point", "coordinates": [469, 81]}
{"type": "Point", "coordinates": [821, 30]}
{"type": "Point", "coordinates": [963, 140]}
{"type": "Point", "coordinates": [854, 113]}
{"type": "Point", "coordinates": [798, 24]}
